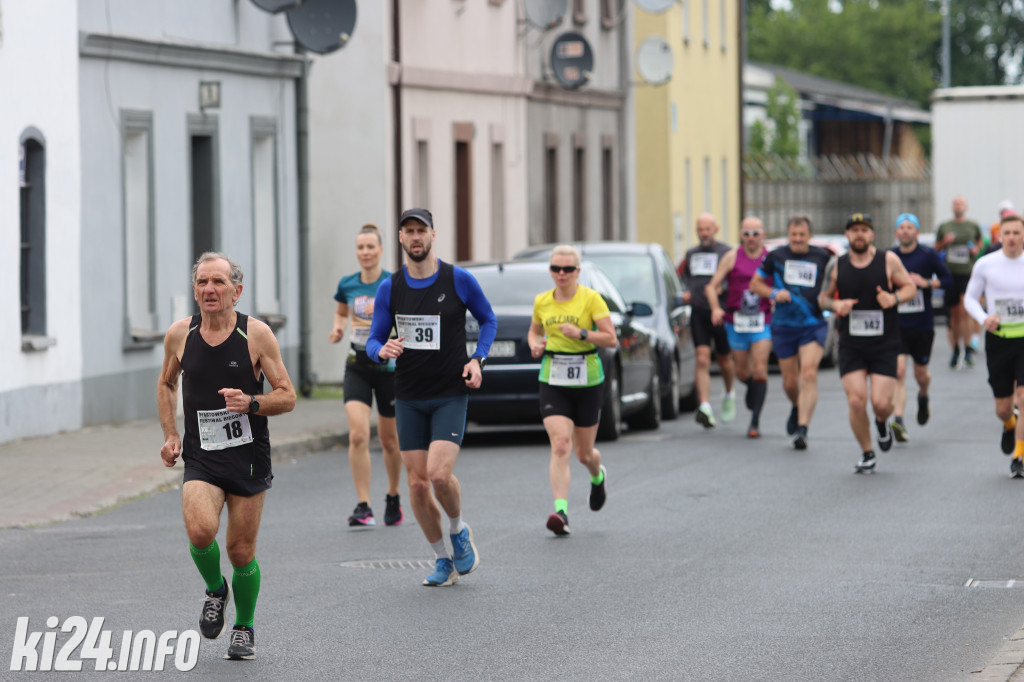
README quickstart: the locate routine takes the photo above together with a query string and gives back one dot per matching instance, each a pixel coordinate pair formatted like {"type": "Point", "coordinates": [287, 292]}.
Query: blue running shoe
{"type": "Point", "coordinates": [793, 422]}
{"type": "Point", "coordinates": [444, 574]}
{"type": "Point", "coordinates": [466, 558]}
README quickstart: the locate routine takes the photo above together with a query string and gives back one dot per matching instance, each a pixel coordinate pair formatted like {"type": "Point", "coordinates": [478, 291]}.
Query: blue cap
{"type": "Point", "coordinates": [904, 217]}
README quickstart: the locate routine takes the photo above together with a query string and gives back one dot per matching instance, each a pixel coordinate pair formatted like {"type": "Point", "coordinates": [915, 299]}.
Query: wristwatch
{"type": "Point", "coordinates": [584, 334]}
{"type": "Point", "coordinates": [480, 359]}
{"type": "Point", "coordinates": [254, 405]}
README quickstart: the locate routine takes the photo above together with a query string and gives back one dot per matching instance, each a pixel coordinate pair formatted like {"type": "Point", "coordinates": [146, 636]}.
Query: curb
{"type": "Point", "coordinates": [1008, 663]}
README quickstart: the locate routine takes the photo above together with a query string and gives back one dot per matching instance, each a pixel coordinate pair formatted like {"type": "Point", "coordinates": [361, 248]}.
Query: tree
{"type": "Point", "coordinates": [987, 39]}
{"type": "Point", "coordinates": [780, 135]}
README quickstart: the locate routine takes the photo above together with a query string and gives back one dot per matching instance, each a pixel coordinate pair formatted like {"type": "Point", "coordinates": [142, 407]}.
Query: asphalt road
{"type": "Point", "coordinates": [716, 558]}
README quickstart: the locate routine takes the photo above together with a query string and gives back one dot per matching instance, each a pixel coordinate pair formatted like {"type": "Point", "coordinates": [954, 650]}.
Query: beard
{"type": "Point", "coordinates": [859, 246]}
{"type": "Point", "coordinates": [417, 258]}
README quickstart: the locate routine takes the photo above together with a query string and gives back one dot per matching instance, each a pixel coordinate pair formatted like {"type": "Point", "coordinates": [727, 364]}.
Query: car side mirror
{"type": "Point", "coordinates": [639, 309]}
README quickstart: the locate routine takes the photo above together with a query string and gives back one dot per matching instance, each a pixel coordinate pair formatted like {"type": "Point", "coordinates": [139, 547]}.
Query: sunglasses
{"type": "Point", "coordinates": [750, 233]}
{"type": "Point", "coordinates": [563, 268]}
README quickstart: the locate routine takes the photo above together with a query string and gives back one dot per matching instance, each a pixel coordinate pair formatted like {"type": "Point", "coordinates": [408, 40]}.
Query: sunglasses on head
{"type": "Point", "coordinates": [563, 268]}
{"type": "Point", "coordinates": [750, 233]}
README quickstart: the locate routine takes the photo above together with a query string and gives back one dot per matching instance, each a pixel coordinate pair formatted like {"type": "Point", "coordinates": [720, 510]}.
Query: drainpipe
{"type": "Point", "coordinates": [302, 162]}
{"type": "Point", "coordinates": [396, 109]}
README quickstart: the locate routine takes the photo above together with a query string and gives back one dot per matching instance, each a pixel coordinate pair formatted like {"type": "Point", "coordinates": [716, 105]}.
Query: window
{"type": "Point", "coordinates": [139, 236]}
{"type": "Point", "coordinates": [579, 12]}
{"type": "Point", "coordinates": [463, 136]}
{"type": "Point", "coordinates": [204, 183]}
{"type": "Point", "coordinates": [688, 199]}
{"type": "Point", "coordinates": [32, 181]}
{"type": "Point", "coordinates": [266, 276]}
{"type": "Point", "coordinates": [498, 201]}
{"type": "Point", "coordinates": [704, 24]}
{"type": "Point", "coordinates": [422, 173]}
{"type": "Point", "coordinates": [707, 184]}
{"type": "Point", "coordinates": [721, 19]}
{"type": "Point", "coordinates": [551, 188]}
{"type": "Point", "coordinates": [579, 189]}
{"type": "Point", "coordinates": [725, 192]}
{"type": "Point", "coordinates": [607, 191]}
{"type": "Point", "coordinates": [686, 21]}
{"type": "Point", "coordinates": [608, 18]}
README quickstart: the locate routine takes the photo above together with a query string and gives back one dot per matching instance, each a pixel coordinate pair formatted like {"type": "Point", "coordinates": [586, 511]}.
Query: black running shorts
{"type": "Point", "coordinates": [231, 470]}
{"type": "Point", "coordinates": [1005, 360]}
{"type": "Point", "coordinates": [581, 405]}
{"type": "Point", "coordinates": [362, 383]}
{"type": "Point", "coordinates": [704, 333]}
{"type": "Point", "coordinates": [878, 360]}
{"type": "Point", "coordinates": [917, 344]}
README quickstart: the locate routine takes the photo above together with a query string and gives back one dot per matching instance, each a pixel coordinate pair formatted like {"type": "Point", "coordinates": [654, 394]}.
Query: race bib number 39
{"type": "Point", "coordinates": [866, 323]}
{"type": "Point", "coordinates": [219, 429]}
{"type": "Point", "coordinates": [421, 332]}
{"type": "Point", "coordinates": [568, 370]}
{"type": "Point", "coordinates": [800, 273]}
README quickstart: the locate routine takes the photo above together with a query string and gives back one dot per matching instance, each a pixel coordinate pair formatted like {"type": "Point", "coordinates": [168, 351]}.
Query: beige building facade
{"type": "Point", "coordinates": [688, 129]}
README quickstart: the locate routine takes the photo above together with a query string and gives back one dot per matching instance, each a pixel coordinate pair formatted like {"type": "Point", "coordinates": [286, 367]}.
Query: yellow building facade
{"type": "Point", "coordinates": [688, 130]}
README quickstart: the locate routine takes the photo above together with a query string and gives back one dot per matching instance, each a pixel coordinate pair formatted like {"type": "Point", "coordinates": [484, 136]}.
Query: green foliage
{"type": "Point", "coordinates": [758, 143]}
{"type": "Point", "coordinates": [888, 46]}
{"type": "Point", "coordinates": [985, 37]}
{"type": "Point", "coordinates": [780, 136]}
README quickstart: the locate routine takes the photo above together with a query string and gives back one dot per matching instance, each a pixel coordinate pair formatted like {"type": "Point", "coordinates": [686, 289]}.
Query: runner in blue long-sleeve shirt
{"type": "Point", "coordinates": [426, 301]}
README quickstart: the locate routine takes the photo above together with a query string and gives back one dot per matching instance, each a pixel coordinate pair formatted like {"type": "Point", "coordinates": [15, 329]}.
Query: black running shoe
{"type": "Point", "coordinates": [362, 516]}
{"type": "Point", "coordinates": [800, 442]}
{"type": "Point", "coordinates": [954, 361]}
{"type": "Point", "coordinates": [211, 620]}
{"type": "Point", "coordinates": [243, 644]}
{"type": "Point", "coordinates": [597, 492]}
{"type": "Point", "coordinates": [884, 435]}
{"type": "Point", "coordinates": [968, 358]}
{"type": "Point", "coordinates": [1017, 468]}
{"type": "Point", "coordinates": [922, 409]}
{"type": "Point", "coordinates": [392, 510]}
{"type": "Point", "coordinates": [1008, 441]}
{"type": "Point", "coordinates": [866, 465]}
{"type": "Point", "coordinates": [794, 421]}
{"type": "Point", "coordinates": [558, 523]}
{"type": "Point", "coordinates": [899, 431]}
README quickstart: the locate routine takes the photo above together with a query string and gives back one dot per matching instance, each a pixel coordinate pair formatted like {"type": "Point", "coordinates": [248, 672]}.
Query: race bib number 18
{"type": "Point", "coordinates": [421, 332]}
{"type": "Point", "coordinates": [219, 429]}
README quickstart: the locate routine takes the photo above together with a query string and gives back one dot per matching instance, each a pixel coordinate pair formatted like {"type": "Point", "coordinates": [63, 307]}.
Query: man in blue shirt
{"type": "Point", "coordinates": [916, 319]}
{"type": "Point", "coordinates": [426, 301]}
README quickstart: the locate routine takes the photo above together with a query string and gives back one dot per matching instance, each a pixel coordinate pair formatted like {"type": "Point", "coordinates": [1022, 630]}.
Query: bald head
{"type": "Point", "coordinates": [706, 229]}
{"type": "Point", "coordinates": [959, 207]}
{"type": "Point", "coordinates": [752, 224]}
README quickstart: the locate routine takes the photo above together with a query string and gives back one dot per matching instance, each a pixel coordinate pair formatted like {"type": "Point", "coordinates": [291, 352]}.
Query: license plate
{"type": "Point", "coordinates": [499, 349]}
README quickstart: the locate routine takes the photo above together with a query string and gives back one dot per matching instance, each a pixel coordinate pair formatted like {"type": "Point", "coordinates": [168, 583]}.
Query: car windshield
{"type": "Point", "coordinates": [511, 286]}
{"type": "Point", "coordinates": [632, 275]}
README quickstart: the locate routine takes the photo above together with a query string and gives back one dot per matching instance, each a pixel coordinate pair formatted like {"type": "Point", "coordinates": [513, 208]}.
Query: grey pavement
{"type": "Point", "coordinates": [70, 475]}
{"type": "Point", "coordinates": [79, 473]}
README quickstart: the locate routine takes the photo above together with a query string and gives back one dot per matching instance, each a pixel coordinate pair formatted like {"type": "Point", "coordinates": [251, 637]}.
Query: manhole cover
{"type": "Point", "coordinates": [999, 584]}
{"type": "Point", "coordinates": [390, 563]}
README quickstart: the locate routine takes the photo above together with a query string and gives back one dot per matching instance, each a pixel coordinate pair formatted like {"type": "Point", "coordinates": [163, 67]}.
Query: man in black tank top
{"type": "Point", "coordinates": [223, 357]}
{"type": "Point", "coordinates": [871, 284]}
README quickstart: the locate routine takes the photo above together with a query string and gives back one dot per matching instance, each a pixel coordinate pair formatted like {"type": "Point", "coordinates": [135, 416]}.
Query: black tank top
{"type": "Point", "coordinates": [207, 369]}
{"type": "Point", "coordinates": [424, 374]}
{"type": "Point", "coordinates": [861, 283]}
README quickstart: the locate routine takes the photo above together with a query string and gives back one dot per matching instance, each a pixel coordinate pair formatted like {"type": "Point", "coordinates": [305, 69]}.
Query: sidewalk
{"type": "Point", "coordinates": [75, 474]}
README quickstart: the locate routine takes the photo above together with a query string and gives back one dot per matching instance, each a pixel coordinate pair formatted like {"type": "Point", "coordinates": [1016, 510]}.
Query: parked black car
{"type": "Point", "coordinates": [509, 390]}
{"type": "Point", "coordinates": [644, 272]}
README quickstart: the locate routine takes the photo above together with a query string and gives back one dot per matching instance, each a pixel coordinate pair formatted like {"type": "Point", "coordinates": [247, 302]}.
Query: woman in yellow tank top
{"type": "Point", "coordinates": [569, 323]}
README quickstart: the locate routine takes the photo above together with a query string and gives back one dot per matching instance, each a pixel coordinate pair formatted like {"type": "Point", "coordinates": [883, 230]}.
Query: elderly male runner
{"type": "Point", "coordinates": [999, 277]}
{"type": "Point", "coordinates": [869, 334]}
{"type": "Point", "coordinates": [792, 276]}
{"type": "Point", "coordinates": [696, 270]}
{"type": "Point", "coordinates": [917, 319]}
{"type": "Point", "coordinates": [427, 302]}
{"type": "Point", "coordinates": [223, 356]}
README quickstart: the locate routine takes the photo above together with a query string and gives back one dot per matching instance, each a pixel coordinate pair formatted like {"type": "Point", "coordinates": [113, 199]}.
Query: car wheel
{"type": "Point", "coordinates": [610, 426]}
{"type": "Point", "coordinates": [650, 417]}
{"type": "Point", "coordinates": [670, 404]}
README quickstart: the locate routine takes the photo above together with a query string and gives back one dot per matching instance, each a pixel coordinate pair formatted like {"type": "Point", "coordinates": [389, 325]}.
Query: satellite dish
{"type": "Point", "coordinates": [276, 6]}
{"type": "Point", "coordinates": [654, 60]}
{"type": "Point", "coordinates": [655, 6]}
{"type": "Point", "coordinates": [323, 26]}
{"type": "Point", "coordinates": [545, 14]}
{"type": "Point", "coordinates": [572, 60]}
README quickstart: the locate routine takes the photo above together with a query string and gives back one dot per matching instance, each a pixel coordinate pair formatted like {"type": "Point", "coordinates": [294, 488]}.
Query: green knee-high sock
{"type": "Point", "coordinates": [207, 560]}
{"type": "Point", "coordinates": [245, 583]}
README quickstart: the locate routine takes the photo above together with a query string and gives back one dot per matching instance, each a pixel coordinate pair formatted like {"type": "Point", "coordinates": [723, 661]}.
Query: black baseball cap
{"type": "Point", "coordinates": [858, 219]}
{"type": "Point", "coordinates": [420, 214]}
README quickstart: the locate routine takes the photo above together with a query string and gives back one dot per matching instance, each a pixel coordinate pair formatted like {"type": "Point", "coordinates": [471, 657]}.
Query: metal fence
{"type": "Point", "coordinates": [828, 188]}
